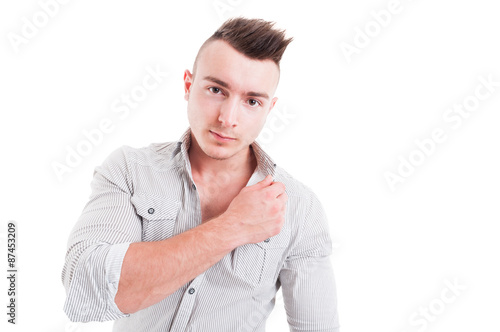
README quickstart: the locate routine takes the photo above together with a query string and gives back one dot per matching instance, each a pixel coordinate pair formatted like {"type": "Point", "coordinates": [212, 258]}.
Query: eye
{"type": "Point", "coordinates": [214, 90]}
{"type": "Point", "coordinates": [253, 102]}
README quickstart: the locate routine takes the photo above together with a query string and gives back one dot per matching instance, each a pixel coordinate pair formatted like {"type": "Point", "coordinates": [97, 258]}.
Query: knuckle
{"type": "Point", "coordinates": [269, 195]}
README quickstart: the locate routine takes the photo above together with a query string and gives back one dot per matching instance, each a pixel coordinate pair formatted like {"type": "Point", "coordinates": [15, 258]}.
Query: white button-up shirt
{"type": "Point", "coordinates": [148, 194]}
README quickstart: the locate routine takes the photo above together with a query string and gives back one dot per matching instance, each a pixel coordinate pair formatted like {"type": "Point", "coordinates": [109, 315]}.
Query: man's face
{"type": "Point", "coordinates": [230, 96]}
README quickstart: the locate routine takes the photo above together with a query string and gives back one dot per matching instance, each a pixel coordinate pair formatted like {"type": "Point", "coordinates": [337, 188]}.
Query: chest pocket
{"type": "Point", "coordinates": [159, 215]}
{"type": "Point", "coordinates": [260, 263]}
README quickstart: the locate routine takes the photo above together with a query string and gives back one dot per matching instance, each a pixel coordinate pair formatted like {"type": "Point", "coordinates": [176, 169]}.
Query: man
{"type": "Point", "coordinates": [199, 234]}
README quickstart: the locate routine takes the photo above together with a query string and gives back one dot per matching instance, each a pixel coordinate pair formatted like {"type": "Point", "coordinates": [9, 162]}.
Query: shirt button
{"type": "Point", "coordinates": [267, 240]}
{"type": "Point", "coordinates": [191, 291]}
{"type": "Point", "coordinates": [151, 211]}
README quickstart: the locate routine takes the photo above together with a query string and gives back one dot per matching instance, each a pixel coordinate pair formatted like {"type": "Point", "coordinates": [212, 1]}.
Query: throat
{"type": "Point", "coordinates": [219, 184]}
{"type": "Point", "coordinates": [217, 191]}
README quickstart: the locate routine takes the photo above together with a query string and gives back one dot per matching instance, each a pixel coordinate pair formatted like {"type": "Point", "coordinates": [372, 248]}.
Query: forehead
{"type": "Point", "coordinates": [219, 59]}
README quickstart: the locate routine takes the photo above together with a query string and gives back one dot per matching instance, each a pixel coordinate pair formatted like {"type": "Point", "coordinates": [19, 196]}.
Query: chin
{"type": "Point", "coordinates": [221, 151]}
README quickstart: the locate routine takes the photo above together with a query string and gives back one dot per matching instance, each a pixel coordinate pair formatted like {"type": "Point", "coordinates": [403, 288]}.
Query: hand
{"type": "Point", "coordinates": [258, 211]}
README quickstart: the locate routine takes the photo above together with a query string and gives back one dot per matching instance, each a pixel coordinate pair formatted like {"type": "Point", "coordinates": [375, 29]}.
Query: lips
{"type": "Point", "coordinates": [221, 135]}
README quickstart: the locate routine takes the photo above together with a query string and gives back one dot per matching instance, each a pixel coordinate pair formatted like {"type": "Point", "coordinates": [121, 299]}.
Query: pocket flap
{"type": "Point", "coordinates": [153, 208]}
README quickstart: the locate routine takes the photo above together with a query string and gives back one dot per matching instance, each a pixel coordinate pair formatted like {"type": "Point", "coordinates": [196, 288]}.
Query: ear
{"type": "Point", "coordinates": [273, 102]}
{"type": "Point", "coordinates": [188, 80]}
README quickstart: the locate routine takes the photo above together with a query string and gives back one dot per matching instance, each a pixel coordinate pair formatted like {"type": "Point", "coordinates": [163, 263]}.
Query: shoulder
{"type": "Point", "coordinates": [141, 169]}
{"type": "Point", "coordinates": [157, 155]}
{"type": "Point", "coordinates": [293, 186]}
{"type": "Point", "coordinates": [300, 196]}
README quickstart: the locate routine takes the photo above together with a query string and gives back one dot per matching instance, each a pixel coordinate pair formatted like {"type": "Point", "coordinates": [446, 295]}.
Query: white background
{"type": "Point", "coordinates": [393, 250]}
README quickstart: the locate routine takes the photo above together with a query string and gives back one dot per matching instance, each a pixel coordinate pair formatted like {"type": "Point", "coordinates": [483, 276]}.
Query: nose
{"type": "Point", "coordinates": [229, 112]}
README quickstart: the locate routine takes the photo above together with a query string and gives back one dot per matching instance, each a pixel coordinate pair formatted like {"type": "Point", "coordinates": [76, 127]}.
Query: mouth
{"type": "Point", "coordinates": [221, 137]}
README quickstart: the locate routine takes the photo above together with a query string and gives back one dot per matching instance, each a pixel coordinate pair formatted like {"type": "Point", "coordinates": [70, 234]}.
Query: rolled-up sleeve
{"type": "Point", "coordinates": [98, 243]}
{"type": "Point", "coordinates": [307, 279]}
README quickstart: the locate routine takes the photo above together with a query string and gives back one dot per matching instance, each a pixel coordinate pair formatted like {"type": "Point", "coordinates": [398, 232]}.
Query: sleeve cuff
{"type": "Point", "coordinates": [113, 268]}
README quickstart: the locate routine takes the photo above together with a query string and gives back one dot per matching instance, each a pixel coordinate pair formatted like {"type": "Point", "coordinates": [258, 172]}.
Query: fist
{"type": "Point", "coordinates": [258, 211]}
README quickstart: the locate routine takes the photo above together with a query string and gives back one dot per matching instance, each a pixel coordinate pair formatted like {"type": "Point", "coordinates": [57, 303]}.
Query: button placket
{"type": "Point", "coordinates": [186, 306]}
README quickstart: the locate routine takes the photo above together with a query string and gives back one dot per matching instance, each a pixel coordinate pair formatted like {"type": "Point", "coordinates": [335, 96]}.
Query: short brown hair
{"type": "Point", "coordinates": [255, 38]}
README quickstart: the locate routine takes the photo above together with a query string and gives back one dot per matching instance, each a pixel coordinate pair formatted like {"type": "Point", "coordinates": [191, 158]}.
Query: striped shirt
{"type": "Point", "coordinates": [148, 194]}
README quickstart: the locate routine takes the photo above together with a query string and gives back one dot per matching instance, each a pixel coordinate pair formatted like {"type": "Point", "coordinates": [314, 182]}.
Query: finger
{"type": "Point", "coordinates": [283, 197]}
{"type": "Point", "coordinates": [264, 183]}
{"type": "Point", "coordinates": [276, 189]}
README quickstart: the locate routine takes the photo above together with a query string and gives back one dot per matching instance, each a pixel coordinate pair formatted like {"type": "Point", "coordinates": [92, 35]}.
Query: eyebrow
{"type": "Point", "coordinates": [227, 86]}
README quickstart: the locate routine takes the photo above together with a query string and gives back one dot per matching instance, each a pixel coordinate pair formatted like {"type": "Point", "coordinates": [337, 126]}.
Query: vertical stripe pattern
{"type": "Point", "coordinates": [148, 194]}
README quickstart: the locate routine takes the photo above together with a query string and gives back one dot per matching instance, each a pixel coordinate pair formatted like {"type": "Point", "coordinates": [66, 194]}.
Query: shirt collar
{"type": "Point", "coordinates": [265, 165]}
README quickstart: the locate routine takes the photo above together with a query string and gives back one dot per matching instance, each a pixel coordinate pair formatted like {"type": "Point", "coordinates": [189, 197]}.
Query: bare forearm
{"type": "Point", "coordinates": [153, 270]}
